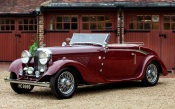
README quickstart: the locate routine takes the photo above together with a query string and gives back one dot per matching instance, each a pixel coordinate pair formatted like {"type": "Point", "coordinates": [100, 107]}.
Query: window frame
{"type": "Point", "coordinates": [170, 22]}
{"type": "Point", "coordinates": [8, 24]}
{"type": "Point", "coordinates": [135, 23]}
{"type": "Point", "coordinates": [96, 24]}
{"type": "Point", "coordinates": [24, 24]}
{"type": "Point", "coordinates": [69, 21]}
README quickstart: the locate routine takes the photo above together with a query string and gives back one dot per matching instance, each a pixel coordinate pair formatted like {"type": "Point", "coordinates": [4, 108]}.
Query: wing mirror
{"type": "Point", "coordinates": [64, 44]}
{"type": "Point", "coordinates": [104, 45]}
{"type": "Point", "coordinates": [68, 39]}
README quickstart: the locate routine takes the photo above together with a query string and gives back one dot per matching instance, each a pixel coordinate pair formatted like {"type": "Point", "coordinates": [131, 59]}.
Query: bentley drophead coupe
{"type": "Point", "coordinates": [87, 59]}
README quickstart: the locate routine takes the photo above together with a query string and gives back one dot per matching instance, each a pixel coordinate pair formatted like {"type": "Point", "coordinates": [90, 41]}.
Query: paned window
{"type": "Point", "coordinates": [27, 24]}
{"type": "Point", "coordinates": [169, 22]}
{"type": "Point", "coordinates": [144, 22]}
{"type": "Point", "coordinates": [64, 22]}
{"type": "Point", "coordinates": [96, 22]}
{"type": "Point", "coordinates": [7, 24]}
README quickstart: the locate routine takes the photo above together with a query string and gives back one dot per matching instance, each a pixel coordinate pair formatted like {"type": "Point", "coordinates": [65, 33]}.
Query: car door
{"type": "Point", "coordinates": [121, 63]}
{"type": "Point", "coordinates": [96, 60]}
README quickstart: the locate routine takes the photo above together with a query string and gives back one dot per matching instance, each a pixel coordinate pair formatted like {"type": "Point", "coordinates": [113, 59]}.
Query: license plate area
{"type": "Point", "coordinates": [24, 86]}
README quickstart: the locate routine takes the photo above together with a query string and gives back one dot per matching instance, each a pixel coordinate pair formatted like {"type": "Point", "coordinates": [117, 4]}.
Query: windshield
{"type": "Point", "coordinates": [89, 38]}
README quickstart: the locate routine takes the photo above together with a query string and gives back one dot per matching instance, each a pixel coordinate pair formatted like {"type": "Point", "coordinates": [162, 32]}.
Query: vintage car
{"type": "Point", "coordinates": [88, 59]}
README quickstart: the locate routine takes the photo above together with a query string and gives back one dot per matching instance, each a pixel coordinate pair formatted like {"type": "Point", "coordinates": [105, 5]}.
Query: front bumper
{"type": "Point", "coordinates": [42, 84]}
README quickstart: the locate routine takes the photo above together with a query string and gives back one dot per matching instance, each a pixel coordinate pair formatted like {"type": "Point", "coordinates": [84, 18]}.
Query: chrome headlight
{"type": "Point", "coordinates": [25, 57]}
{"type": "Point", "coordinates": [44, 57]}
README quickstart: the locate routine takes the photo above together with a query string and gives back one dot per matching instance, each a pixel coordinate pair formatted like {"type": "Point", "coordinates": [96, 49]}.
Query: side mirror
{"type": "Point", "coordinates": [64, 44]}
{"type": "Point", "coordinates": [104, 45]}
{"type": "Point", "coordinates": [68, 39]}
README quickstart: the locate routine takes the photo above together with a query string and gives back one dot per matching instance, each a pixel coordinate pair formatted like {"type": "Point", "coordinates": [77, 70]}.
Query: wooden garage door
{"type": "Point", "coordinates": [7, 39]}
{"type": "Point", "coordinates": [15, 36]}
{"type": "Point", "coordinates": [155, 30]}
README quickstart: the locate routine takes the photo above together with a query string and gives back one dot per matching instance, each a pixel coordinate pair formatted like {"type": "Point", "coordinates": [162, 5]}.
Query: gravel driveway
{"type": "Point", "coordinates": [127, 95]}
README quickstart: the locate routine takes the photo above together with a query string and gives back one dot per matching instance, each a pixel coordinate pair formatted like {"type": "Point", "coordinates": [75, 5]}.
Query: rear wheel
{"type": "Point", "coordinates": [64, 83]}
{"type": "Point", "coordinates": [20, 88]}
{"type": "Point", "coordinates": [151, 75]}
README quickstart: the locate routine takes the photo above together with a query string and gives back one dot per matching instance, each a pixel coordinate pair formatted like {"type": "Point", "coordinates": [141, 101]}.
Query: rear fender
{"type": "Point", "coordinates": [147, 60]}
{"type": "Point", "coordinates": [15, 66]}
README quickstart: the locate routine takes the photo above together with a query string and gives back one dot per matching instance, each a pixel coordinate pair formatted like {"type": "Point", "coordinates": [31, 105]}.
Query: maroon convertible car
{"type": "Point", "coordinates": [88, 59]}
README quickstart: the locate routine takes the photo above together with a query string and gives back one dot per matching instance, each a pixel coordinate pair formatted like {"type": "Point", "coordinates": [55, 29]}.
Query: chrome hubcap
{"type": "Point", "coordinates": [151, 73]}
{"type": "Point", "coordinates": [66, 82]}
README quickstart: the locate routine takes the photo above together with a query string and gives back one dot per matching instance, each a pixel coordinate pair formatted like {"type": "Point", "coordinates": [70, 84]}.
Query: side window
{"type": "Point", "coordinates": [169, 22]}
{"type": "Point", "coordinates": [27, 24]}
{"type": "Point", "coordinates": [7, 24]}
{"type": "Point", "coordinates": [144, 22]}
{"type": "Point", "coordinates": [96, 22]}
{"type": "Point", "coordinates": [64, 22]}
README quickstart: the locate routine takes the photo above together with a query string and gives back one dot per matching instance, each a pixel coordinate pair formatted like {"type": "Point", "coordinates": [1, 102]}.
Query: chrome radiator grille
{"type": "Point", "coordinates": [36, 60]}
{"type": "Point", "coordinates": [37, 65]}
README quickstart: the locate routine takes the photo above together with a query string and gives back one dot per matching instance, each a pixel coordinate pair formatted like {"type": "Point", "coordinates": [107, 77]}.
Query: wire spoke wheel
{"type": "Point", "coordinates": [151, 75]}
{"type": "Point", "coordinates": [64, 83]}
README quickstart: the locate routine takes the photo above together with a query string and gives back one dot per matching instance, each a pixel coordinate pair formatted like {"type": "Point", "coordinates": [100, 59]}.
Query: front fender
{"type": "Point", "coordinates": [15, 66]}
{"type": "Point", "coordinates": [84, 71]}
{"type": "Point", "coordinates": [147, 60]}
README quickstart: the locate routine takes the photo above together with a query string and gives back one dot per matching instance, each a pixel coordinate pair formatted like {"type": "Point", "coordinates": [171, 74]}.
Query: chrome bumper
{"type": "Point", "coordinates": [42, 84]}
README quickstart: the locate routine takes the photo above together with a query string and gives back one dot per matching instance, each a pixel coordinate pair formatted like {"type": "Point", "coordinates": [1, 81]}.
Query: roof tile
{"type": "Point", "coordinates": [27, 6]}
{"type": "Point", "coordinates": [19, 6]}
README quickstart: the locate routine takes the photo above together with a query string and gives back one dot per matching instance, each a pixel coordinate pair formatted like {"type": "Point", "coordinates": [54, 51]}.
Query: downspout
{"type": "Point", "coordinates": [37, 10]}
{"type": "Point", "coordinates": [120, 26]}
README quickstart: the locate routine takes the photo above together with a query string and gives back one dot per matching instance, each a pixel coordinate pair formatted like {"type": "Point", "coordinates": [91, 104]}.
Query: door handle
{"type": "Point", "coordinates": [135, 57]}
{"type": "Point", "coordinates": [18, 35]}
{"type": "Point", "coordinates": [163, 35]}
{"type": "Point", "coordinates": [133, 54]}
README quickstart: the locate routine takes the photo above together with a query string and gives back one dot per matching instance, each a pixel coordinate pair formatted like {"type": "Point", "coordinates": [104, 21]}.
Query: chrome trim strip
{"type": "Point", "coordinates": [42, 84]}
{"type": "Point", "coordinates": [139, 51]}
{"type": "Point", "coordinates": [143, 52]}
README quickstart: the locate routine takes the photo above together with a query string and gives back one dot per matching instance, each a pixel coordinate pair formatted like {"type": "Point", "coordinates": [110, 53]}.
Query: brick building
{"type": "Point", "coordinates": [147, 22]}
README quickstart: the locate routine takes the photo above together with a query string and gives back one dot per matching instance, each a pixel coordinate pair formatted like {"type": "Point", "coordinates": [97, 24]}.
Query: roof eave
{"type": "Point", "coordinates": [7, 14]}
{"type": "Point", "coordinates": [109, 5]}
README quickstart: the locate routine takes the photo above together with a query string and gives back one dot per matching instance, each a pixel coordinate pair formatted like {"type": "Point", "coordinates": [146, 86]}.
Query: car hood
{"type": "Point", "coordinates": [71, 49]}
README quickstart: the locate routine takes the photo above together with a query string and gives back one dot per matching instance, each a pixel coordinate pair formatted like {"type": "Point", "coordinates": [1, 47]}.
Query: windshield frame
{"type": "Point", "coordinates": [104, 36]}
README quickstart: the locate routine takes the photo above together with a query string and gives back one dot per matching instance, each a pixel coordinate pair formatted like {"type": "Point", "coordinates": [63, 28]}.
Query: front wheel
{"type": "Point", "coordinates": [64, 83]}
{"type": "Point", "coordinates": [151, 75]}
{"type": "Point", "coordinates": [20, 88]}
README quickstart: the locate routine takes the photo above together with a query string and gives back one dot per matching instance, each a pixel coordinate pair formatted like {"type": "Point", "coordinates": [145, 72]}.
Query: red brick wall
{"type": "Point", "coordinates": [19, 6]}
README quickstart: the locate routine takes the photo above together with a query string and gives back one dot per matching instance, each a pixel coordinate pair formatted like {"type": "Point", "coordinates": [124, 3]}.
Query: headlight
{"type": "Point", "coordinates": [25, 57]}
{"type": "Point", "coordinates": [44, 57]}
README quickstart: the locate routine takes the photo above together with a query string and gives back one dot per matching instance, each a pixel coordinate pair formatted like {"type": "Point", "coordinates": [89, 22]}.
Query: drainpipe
{"type": "Point", "coordinates": [120, 26]}
{"type": "Point", "coordinates": [37, 13]}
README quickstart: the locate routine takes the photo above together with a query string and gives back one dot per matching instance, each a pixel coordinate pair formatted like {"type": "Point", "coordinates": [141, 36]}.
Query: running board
{"type": "Point", "coordinates": [42, 84]}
